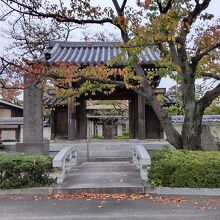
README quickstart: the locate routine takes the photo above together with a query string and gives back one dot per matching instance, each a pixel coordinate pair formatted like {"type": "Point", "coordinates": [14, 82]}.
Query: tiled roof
{"type": "Point", "coordinates": [205, 119]}
{"type": "Point", "coordinates": [11, 104]}
{"type": "Point", "coordinates": [11, 121]}
{"type": "Point", "coordinates": [92, 53]}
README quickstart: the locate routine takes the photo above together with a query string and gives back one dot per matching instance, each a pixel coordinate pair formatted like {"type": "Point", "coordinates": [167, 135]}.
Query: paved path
{"type": "Point", "coordinates": [32, 207]}
{"type": "Point", "coordinates": [103, 177]}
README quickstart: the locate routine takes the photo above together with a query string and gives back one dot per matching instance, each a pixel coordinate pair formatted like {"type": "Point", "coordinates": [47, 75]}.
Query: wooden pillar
{"type": "Point", "coordinates": [153, 127]}
{"type": "Point", "coordinates": [132, 118]}
{"type": "Point", "coordinates": [81, 120]}
{"type": "Point", "coordinates": [71, 120]}
{"type": "Point", "coordinates": [141, 121]}
{"type": "Point", "coordinates": [52, 124]}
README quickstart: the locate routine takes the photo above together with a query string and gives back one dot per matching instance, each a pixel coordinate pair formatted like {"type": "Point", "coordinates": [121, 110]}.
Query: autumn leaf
{"type": "Point", "coordinates": [118, 197]}
{"type": "Point", "coordinates": [147, 3]}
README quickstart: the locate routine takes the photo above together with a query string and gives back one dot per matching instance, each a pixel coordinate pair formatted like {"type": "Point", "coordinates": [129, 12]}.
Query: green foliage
{"type": "Point", "coordinates": [126, 132]}
{"type": "Point", "coordinates": [214, 108]}
{"type": "Point", "coordinates": [178, 108]}
{"type": "Point", "coordinates": [95, 136]}
{"type": "Point", "coordinates": [121, 137]}
{"type": "Point", "coordinates": [19, 170]}
{"type": "Point", "coordinates": [177, 168]}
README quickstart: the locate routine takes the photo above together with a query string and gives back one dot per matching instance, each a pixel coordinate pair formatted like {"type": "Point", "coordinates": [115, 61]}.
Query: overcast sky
{"type": "Point", "coordinates": [166, 83]}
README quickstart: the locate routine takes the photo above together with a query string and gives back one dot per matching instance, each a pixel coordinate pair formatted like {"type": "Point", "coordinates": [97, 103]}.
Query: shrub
{"type": "Point", "coordinates": [126, 132]}
{"type": "Point", "coordinates": [95, 136]}
{"type": "Point", "coordinates": [19, 170]}
{"type": "Point", "coordinates": [181, 168]}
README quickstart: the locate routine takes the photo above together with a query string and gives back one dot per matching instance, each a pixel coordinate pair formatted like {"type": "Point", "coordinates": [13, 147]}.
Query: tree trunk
{"type": "Point", "coordinates": [173, 136]}
{"type": "Point", "coordinates": [191, 129]}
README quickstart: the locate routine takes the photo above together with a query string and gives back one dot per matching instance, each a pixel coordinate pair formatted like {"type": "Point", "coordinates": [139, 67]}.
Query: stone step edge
{"type": "Point", "coordinates": [154, 190]}
{"type": "Point", "coordinates": [119, 174]}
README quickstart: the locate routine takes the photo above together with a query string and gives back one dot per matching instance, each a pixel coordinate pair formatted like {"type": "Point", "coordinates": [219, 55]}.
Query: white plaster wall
{"type": "Point", "coordinates": [5, 113]}
{"type": "Point", "coordinates": [21, 134]}
{"type": "Point", "coordinates": [214, 128]}
{"type": "Point", "coordinates": [99, 128]}
{"type": "Point", "coordinates": [8, 135]}
{"type": "Point", "coordinates": [46, 133]}
{"type": "Point", "coordinates": [90, 128]}
{"type": "Point", "coordinates": [119, 130]}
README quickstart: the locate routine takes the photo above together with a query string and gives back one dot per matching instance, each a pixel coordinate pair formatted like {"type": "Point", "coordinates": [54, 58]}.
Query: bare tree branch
{"type": "Point", "coordinates": [123, 6]}
{"type": "Point", "coordinates": [117, 7]}
{"type": "Point", "coordinates": [214, 76]}
{"type": "Point", "coordinates": [199, 55]}
{"type": "Point", "coordinates": [209, 96]}
{"type": "Point", "coordinates": [5, 15]}
{"type": "Point", "coordinates": [56, 16]}
{"type": "Point", "coordinates": [197, 11]}
{"type": "Point", "coordinates": [164, 10]}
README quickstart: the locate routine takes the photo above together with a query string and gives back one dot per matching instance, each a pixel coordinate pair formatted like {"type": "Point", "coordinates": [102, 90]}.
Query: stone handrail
{"type": "Point", "coordinates": [64, 161]}
{"type": "Point", "coordinates": [142, 160]}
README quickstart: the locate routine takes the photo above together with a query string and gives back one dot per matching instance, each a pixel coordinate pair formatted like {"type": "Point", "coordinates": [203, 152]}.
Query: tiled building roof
{"type": "Point", "coordinates": [205, 119]}
{"type": "Point", "coordinates": [92, 53]}
{"type": "Point", "coordinates": [11, 121]}
{"type": "Point", "coordinates": [9, 104]}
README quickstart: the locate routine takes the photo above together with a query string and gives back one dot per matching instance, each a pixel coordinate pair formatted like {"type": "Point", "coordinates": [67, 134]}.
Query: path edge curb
{"type": "Point", "coordinates": [153, 190]}
{"type": "Point", "coordinates": [185, 191]}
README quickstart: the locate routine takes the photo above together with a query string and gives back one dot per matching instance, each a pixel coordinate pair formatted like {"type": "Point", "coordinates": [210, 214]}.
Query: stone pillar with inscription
{"type": "Point", "coordinates": [33, 122]}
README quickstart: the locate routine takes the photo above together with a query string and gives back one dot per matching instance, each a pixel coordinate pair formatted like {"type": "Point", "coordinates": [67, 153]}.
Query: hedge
{"type": "Point", "coordinates": [181, 168]}
{"type": "Point", "coordinates": [19, 170]}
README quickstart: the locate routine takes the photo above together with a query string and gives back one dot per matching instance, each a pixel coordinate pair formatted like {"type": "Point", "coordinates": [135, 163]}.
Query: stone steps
{"type": "Point", "coordinates": [103, 177]}
{"type": "Point", "coordinates": [103, 167]}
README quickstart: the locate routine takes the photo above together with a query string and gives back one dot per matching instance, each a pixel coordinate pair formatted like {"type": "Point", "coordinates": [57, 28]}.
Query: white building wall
{"type": "Point", "coordinates": [21, 134]}
{"type": "Point", "coordinates": [119, 130]}
{"type": "Point", "coordinates": [46, 133]}
{"type": "Point", "coordinates": [5, 113]}
{"type": "Point", "coordinates": [8, 135]}
{"type": "Point", "coordinates": [214, 128]}
{"type": "Point", "coordinates": [100, 130]}
{"type": "Point", "coordinates": [90, 128]}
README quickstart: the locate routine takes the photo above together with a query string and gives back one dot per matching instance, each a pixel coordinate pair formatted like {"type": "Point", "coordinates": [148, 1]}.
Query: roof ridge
{"type": "Point", "coordinates": [11, 104]}
{"type": "Point", "coordinates": [85, 43]}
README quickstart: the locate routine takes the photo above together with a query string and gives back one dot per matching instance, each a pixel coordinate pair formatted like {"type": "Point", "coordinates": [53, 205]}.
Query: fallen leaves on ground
{"type": "Point", "coordinates": [36, 198]}
{"type": "Point", "coordinates": [207, 204]}
{"type": "Point", "coordinates": [118, 196]}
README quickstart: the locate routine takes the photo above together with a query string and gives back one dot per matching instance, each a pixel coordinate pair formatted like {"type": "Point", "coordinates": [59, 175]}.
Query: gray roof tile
{"type": "Point", "coordinates": [92, 53]}
{"type": "Point", "coordinates": [205, 119]}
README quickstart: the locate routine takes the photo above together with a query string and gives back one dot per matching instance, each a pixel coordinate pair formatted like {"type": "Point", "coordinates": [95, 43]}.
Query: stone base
{"type": "Point", "coordinates": [33, 148]}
